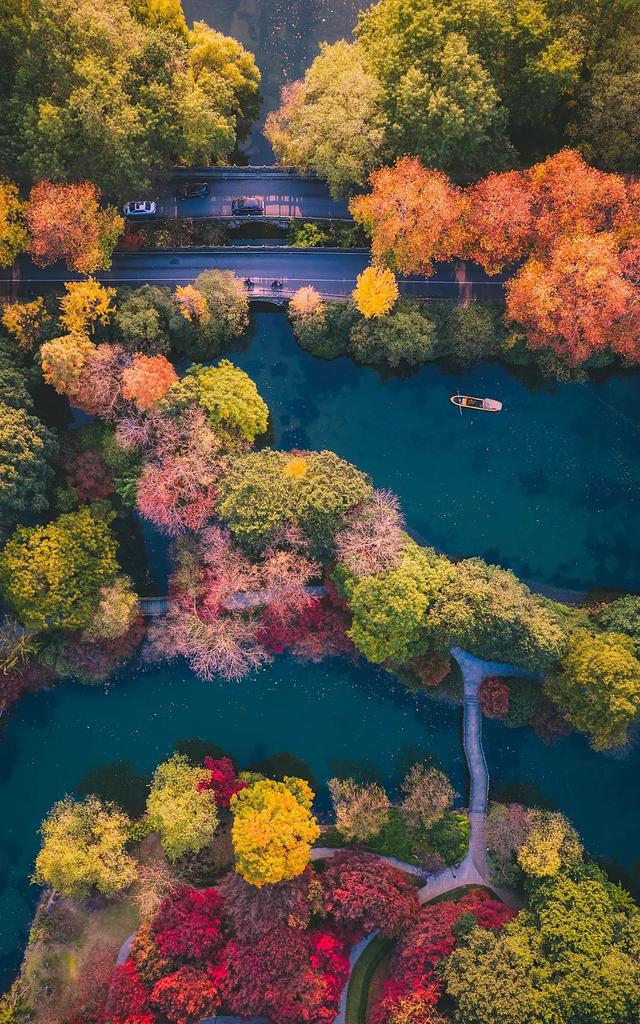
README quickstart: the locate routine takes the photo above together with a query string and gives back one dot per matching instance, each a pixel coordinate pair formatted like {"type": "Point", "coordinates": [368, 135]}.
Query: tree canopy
{"type": "Point", "coordinates": [83, 847]}
{"type": "Point", "coordinates": [467, 88]}
{"type": "Point", "coordinates": [118, 92]}
{"type": "Point", "coordinates": [268, 490]}
{"type": "Point", "coordinates": [332, 122]}
{"type": "Point", "coordinates": [572, 956]}
{"type": "Point", "coordinates": [185, 815]}
{"type": "Point", "coordinates": [599, 687]}
{"type": "Point", "coordinates": [390, 610]}
{"type": "Point", "coordinates": [227, 394]}
{"type": "Point", "coordinates": [25, 447]}
{"type": "Point", "coordinates": [273, 829]}
{"type": "Point", "coordinates": [51, 575]}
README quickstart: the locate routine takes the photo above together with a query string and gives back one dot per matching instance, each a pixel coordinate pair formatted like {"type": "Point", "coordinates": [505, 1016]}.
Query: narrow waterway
{"type": "Point", "coordinates": [284, 35]}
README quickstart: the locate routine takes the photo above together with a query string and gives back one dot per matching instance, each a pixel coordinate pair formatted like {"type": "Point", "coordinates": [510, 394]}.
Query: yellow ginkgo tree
{"type": "Point", "coordinates": [273, 830]}
{"type": "Point", "coordinates": [376, 291]}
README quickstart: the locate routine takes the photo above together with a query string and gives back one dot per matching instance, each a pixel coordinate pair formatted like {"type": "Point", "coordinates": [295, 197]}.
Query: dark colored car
{"type": "Point", "coordinates": [247, 206]}
{"type": "Point", "coordinates": [192, 190]}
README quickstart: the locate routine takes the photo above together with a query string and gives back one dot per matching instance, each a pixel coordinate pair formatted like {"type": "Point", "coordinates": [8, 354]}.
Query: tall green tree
{"type": "Point", "coordinates": [25, 447]}
{"type": "Point", "coordinates": [450, 115]}
{"type": "Point", "coordinates": [391, 610]}
{"type": "Point", "coordinates": [571, 957]}
{"type": "Point", "coordinates": [332, 122]}
{"type": "Point", "coordinates": [267, 490]}
{"type": "Point", "coordinates": [83, 848]}
{"type": "Point", "coordinates": [117, 92]}
{"type": "Point", "coordinates": [185, 816]}
{"type": "Point", "coordinates": [489, 612]}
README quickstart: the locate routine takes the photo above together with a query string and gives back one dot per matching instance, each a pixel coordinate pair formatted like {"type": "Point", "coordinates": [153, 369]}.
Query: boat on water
{"type": "Point", "coordinates": [479, 404]}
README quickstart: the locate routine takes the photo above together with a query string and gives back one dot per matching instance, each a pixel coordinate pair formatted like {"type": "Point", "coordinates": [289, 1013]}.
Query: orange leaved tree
{"type": "Point", "coordinates": [67, 223]}
{"type": "Point", "coordinates": [414, 216]}
{"type": "Point", "coordinates": [578, 302]}
{"type": "Point", "coordinates": [147, 380]}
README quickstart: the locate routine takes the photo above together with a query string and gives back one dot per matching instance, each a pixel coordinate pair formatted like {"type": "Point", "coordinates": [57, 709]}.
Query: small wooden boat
{"type": "Point", "coordinates": [479, 404]}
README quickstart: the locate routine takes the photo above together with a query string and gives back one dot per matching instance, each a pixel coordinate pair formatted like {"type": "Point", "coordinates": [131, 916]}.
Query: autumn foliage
{"type": "Point", "coordinates": [147, 380]}
{"type": "Point", "coordinates": [433, 937]}
{"type": "Point", "coordinates": [573, 228]}
{"type": "Point", "coordinates": [493, 694]}
{"type": "Point", "coordinates": [67, 223]}
{"type": "Point", "coordinates": [414, 216]}
{"type": "Point", "coordinates": [366, 894]}
{"type": "Point", "coordinates": [223, 781]}
{"type": "Point", "coordinates": [375, 292]}
{"type": "Point", "coordinates": [188, 924]}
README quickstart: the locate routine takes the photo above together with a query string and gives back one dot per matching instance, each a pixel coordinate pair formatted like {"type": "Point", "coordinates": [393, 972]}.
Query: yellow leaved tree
{"type": "Point", "coordinates": [551, 843]}
{"type": "Point", "coordinates": [83, 848]}
{"type": "Point", "coordinates": [185, 816]}
{"type": "Point", "coordinates": [376, 291]}
{"type": "Point", "coordinates": [193, 304]}
{"type": "Point", "coordinates": [273, 829]}
{"type": "Point", "coordinates": [25, 320]}
{"type": "Point", "coordinates": [86, 304]}
{"type": "Point", "coordinates": [62, 360]}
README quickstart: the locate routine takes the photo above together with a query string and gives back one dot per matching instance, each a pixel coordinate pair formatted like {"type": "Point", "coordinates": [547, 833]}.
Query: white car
{"type": "Point", "coordinates": [139, 209]}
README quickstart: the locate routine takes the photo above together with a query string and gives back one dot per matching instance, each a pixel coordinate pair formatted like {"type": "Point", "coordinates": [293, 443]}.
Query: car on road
{"type": "Point", "coordinates": [192, 190]}
{"type": "Point", "coordinates": [247, 206]}
{"type": "Point", "coordinates": [142, 208]}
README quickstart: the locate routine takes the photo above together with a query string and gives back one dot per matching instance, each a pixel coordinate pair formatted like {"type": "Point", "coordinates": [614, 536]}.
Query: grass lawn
{"type": "Point", "coordinates": [362, 976]}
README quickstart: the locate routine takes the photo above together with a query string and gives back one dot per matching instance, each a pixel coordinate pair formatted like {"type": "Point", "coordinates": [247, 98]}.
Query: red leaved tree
{"type": "Point", "coordinates": [365, 894]}
{"type": "Point", "coordinates": [89, 476]}
{"type": "Point", "coordinates": [373, 535]}
{"type": "Point", "coordinates": [98, 389]}
{"type": "Point", "coordinates": [188, 924]}
{"type": "Point", "coordinates": [422, 947]}
{"type": "Point", "coordinates": [226, 646]}
{"type": "Point", "coordinates": [189, 994]}
{"type": "Point", "coordinates": [493, 694]}
{"type": "Point", "coordinates": [128, 997]}
{"type": "Point", "coordinates": [223, 781]}
{"type": "Point", "coordinates": [252, 911]}
{"type": "Point", "coordinates": [178, 494]}
{"type": "Point", "coordinates": [288, 975]}
{"type": "Point", "coordinates": [67, 223]}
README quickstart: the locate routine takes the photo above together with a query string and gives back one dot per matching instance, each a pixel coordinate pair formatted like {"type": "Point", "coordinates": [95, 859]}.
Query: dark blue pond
{"type": "Point", "coordinates": [549, 488]}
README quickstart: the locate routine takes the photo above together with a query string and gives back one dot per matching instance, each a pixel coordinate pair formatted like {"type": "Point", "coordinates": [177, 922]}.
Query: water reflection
{"type": "Point", "coordinates": [284, 35]}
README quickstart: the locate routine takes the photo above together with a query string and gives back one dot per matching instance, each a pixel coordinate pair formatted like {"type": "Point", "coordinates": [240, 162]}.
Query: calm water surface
{"type": "Point", "coordinates": [549, 488]}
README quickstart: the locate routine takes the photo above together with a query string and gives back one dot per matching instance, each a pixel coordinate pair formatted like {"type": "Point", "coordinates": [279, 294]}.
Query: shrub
{"type": "Point", "coordinates": [448, 837]}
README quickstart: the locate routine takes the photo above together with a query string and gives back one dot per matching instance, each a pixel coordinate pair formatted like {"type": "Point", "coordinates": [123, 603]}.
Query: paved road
{"type": "Point", "coordinates": [285, 194]}
{"type": "Point", "coordinates": [332, 271]}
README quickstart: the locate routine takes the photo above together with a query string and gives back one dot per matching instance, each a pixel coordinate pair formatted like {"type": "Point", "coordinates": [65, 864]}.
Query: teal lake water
{"type": "Point", "coordinates": [549, 488]}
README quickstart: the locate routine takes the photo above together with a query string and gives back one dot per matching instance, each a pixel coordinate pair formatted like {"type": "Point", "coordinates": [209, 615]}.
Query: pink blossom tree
{"type": "Point", "coordinates": [372, 538]}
